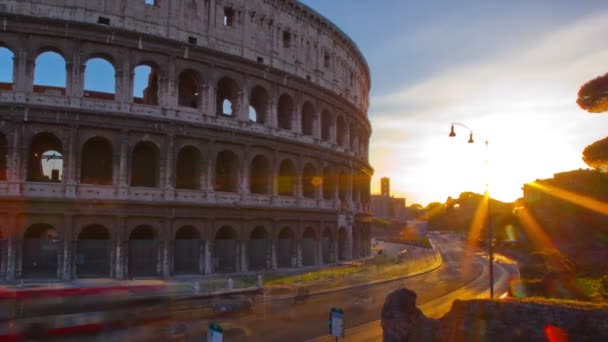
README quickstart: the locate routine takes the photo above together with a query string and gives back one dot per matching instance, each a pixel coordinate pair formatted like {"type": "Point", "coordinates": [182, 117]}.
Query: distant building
{"type": "Point", "coordinates": [385, 186]}
{"type": "Point", "coordinates": [388, 208]}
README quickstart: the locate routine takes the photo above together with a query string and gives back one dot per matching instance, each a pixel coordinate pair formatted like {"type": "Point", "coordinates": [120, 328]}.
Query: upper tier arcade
{"type": "Point", "coordinates": [281, 34]}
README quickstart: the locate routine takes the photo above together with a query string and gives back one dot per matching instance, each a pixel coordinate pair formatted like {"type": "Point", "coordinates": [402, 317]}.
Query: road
{"type": "Point", "coordinates": [282, 320]}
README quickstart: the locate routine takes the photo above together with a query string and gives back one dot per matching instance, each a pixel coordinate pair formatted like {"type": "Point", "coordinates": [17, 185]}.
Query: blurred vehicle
{"type": "Point", "coordinates": [232, 305]}
{"type": "Point", "coordinates": [67, 312]}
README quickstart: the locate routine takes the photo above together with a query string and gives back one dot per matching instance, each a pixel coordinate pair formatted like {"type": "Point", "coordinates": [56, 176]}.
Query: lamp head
{"type": "Point", "coordinates": [471, 138]}
{"type": "Point", "coordinates": [452, 133]}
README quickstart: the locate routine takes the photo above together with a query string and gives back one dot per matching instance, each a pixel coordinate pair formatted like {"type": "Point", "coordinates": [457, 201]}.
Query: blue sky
{"type": "Point", "coordinates": [509, 70]}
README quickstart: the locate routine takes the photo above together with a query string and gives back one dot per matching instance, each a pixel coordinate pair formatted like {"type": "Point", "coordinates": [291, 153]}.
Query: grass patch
{"type": "Point", "coordinates": [406, 240]}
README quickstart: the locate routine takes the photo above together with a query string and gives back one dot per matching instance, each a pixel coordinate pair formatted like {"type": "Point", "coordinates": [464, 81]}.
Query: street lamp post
{"type": "Point", "coordinates": [487, 195]}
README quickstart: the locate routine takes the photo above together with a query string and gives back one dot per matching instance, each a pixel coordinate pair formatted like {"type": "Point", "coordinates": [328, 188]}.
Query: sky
{"type": "Point", "coordinates": [508, 70]}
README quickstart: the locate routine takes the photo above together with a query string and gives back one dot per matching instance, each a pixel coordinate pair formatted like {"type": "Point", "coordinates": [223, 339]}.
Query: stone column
{"type": "Point", "coordinates": [123, 182]}
{"type": "Point", "coordinates": [69, 170]}
{"type": "Point", "coordinates": [14, 175]}
{"type": "Point", "coordinates": [20, 79]}
{"type": "Point", "coordinates": [298, 253]}
{"type": "Point", "coordinates": [208, 257]}
{"type": "Point", "coordinates": [349, 242]}
{"type": "Point", "coordinates": [243, 103]}
{"type": "Point", "coordinates": [68, 250]}
{"type": "Point", "coordinates": [121, 252]}
{"type": "Point", "coordinates": [201, 257]}
{"type": "Point", "coordinates": [169, 177]}
{"type": "Point", "coordinates": [11, 246]}
{"type": "Point", "coordinates": [319, 250]}
{"type": "Point", "coordinates": [273, 254]}
{"type": "Point", "coordinates": [243, 255]}
{"type": "Point", "coordinates": [166, 260]}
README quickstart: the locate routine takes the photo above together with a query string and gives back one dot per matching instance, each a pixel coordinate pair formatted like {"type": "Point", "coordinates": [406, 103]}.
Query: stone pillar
{"type": "Point", "coordinates": [243, 255]}
{"type": "Point", "coordinates": [169, 177]}
{"type": "Point", "coordinates": [319, 250]}
{"type": "Point", "coordinates": [243, 103]}
{"type": "Point", "coordinates": [273, 254]}
{"type": "Point", "coordinates": [69, 166]}
{"type": "Point", "coordinates": [208, 257]}
{"type": "Point", "coordinates": [211, 102]}
{"type": "Point", "coordinates": [166, 260]}
{"type": "Point", "coordinates": [121, 253]}
{"type": "Point", "coordinates": [298, 253]}
{"type": "Point", "coordinates": [201, 257]}
{"type": "Point", "coordinates": [14, 174]}
{"type": "Point", "coordinates": [123, 182]}
{"type": "Point", "coordinates": [68, 249]}
{"type": "Point", "coordinates": [11, 246]}
{"type": "Point", "coordinates": [20, 79]}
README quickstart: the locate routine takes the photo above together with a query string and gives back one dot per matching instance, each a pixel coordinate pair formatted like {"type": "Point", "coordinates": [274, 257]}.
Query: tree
{"type": "Point", "coordinates": [593, 95]}
{"type": "Point", "coordinates": [596, 155]}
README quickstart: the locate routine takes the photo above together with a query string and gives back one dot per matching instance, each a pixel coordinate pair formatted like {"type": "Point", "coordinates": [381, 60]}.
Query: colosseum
{"type": "Point", "coordinates": [232, 137]}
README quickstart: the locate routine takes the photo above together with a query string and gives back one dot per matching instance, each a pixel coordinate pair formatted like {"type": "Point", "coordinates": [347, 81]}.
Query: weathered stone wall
{"type": "Point", "coordinates": [499, 320]}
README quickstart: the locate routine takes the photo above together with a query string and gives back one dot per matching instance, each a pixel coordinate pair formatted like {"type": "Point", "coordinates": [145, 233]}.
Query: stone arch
{"type": "Point", "coordinates": [225, 250]}
{"type": "Point", "coordinates": [189, 89]}
{"type": "Point", "coordinates": [187, 250]}
{"type": "Point", "coordinates": [45, 162]}
{"type": "Point", "coordinates": [226, 171]}
{"type": "Point", "coordinates": [285, 113]}
{"type": "Point", "coordinates": [188, 168]}
{"type": "Point", "coordinates": [50, 75]}
{"type": "Point", "coordinates": [143, 251]}
{"type": "Point", "coordinates": [326, 126]}
{"type": "Point", "coordinates": [354, 133]}
{"type": "Point", "coordinates": [3, 157]}
{"type": "Point", "coordinates": [329, 183]}
{"type": "Point", "coordinates": [99, 78]}
{"type": "Point", "coordinates": [146, 83]}
{"type": "Point", "coordinates": [258, 248]}
{"type": "Point", "coordinates": [308, 118]}
{"type": "Point", "coordinates": [93, 252]}
{"type": "Point", "coordinates": [260, 179]}
{"type": "Point", "coordinates": [310, 181]}
{"type": "Point", "coordinates": [258, 105]}
{"type": "Point", "coordinates": [96, 165]}
{"type": "Point", "coordinates": [7, 58]}
{"type": "Point", "coordinates": [285, 248]}
{"type": "Point", "coordinates": [288, 179]}
{"type": "Point", "coordinates": [227, 99]}
{"type": "Point", "coordinates": [145, 165]}
{"type": "Point", "coordinates": [342, 243]}
{"type": "Point", "coordinates": [41, 249]}
{"type": "Point", "coordinates": [309, 247]}
{"type": "Point", "coordinates": [340, 131]}
{"type": "Point", "coordinates": [327, 245]}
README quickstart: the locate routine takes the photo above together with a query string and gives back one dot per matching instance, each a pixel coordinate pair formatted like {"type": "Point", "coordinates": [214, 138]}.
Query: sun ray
{"type": "Point", "coordinates": [480, 217]}
{"type": "Point", "coordinates": [572, 197]}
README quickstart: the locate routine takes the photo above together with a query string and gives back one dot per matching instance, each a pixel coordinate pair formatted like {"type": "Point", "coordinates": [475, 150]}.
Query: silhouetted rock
{"type": "Point", "coordinates": [403, 321]}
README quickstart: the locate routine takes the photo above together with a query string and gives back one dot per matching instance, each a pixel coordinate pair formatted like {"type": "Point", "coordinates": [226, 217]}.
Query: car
{"type": "Point", "coordinates": [232, 305]}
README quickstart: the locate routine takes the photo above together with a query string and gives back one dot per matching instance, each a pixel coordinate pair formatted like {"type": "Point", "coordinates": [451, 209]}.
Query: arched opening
{"type": "Point", "coordinates": [325, 126]}
{"type": "Point", "coordinates": [188, 169]}
{"type": "Point", "coordinates": [50, 74]}
{"type": "Point", "coordinates": [3, 157]}
{"type": "Point", "coordinates": [96, 162]}
{"type": "Point", "coordinates": [258, 105]}
{"type": "Point", "coordinates": [258, 249]}
{"type": "Point", "coordinates": [308, 119]}
{"type": "Point", "coordinates": [99, 79]}
{"type": "Point", "coordinates": [45, 162]}
{"type": "Point", "coordinates": [41, 247]}
{"type": "Point", "coordinates": [187, 251]}
{"type": "Point", "coordinates": [326, 246]}
{"type": "Point", "coordinates": [310, 181]}
{"type": "Point", "coordinates": [287, 179]}
{"type": "Point", "coordinates": [329, 184]}
{"type": "Point", "coordinates": [144, 165]}
{"type": "Point", "coordinates": [93, 252]}
{"type": "Point", "coordinates": [353, 138]}
{"type": "Point", "coordinates": [285, 248]}
{"type": "Point", "coordinates": [309, 247]}
{"type": "Point", "coordinates": [260, 176]}
{"type": "Point", "coordinates": [143, 252]}
{"type": "Point", "coordinates": [227, 97]}
{"type": "Point", "coordinates": [340, 131]}
{"type": "Point", "coordinates": [225, 250]}
{"type": "Point", "coordinates": [285, 112]}
{"type": "Point", "coordinates": [356, 246]}
{"type": "Point", "coordinates": [226, 172]}
{"type": "Point", "coordinates": [342, 186]}
{"type": "Point", "coordinates": [7, 60]}
{"type": "Point", "coordinates": [145, 85]}
{"type": "Point", "coordinates": [342, 243]}
{"type": "Point", "coordinates": [189, 89]}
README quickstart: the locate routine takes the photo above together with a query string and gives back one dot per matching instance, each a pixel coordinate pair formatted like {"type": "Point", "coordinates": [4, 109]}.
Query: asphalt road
{"type": "Point", "coordinates": [282, 320]}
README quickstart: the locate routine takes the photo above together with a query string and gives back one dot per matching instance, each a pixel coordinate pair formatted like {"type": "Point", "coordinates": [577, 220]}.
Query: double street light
{"type": "Point", "coordinates": [487, 195]}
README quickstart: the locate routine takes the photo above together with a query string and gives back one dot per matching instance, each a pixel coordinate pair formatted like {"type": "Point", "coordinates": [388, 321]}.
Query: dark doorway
{"type": "Point", "coordinates": [326, 246]}
{"type": "Point", "coordinates": [260, 179]}
{"type": "Point", "coordinates": [188, 169]}
{"type": "Point", "coordinates": [285, 248]}
{"type": "Point", "coordinates": [41, 248]}
{"type": "Point", "coordinates": [226, 172]}
{"type": "Point", "coordinates": [45, 163]}
{"type": "Point", "coordinates": [225, 250]}
{"type": "Point", "coordinates": [143, 252]}
{"type": "Point", "coordinates": [309, 249]}
{"type": "Point", "coordinates": [285, 112]}
{"type": "Point", "coordinates": [258, 249]}
{"type": "Point", "coordinates": [187, 251]}
{"type": "Point", "coordinates": [96, 162]}
{"type": "Point", "coordinates": [144, 165]}
{"type": "Point", "coordinates": [189, 89]}
{"type": "Point", "coordinates": [342, 243]}
{"type": "Point", "coordinates": [93, 252]}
